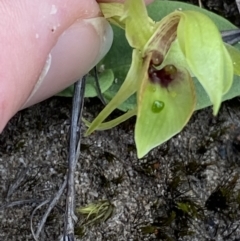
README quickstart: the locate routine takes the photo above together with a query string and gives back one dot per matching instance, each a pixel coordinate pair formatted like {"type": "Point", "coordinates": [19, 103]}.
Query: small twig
{"type": "Point", "coordinates": [19, 203]}
{"type": "Point", "coordinates": [231, 36]}
{"type": "Point", "coordinates": [17, 182]}
{"type": "Point", "coordinates": [200, 3]}
{"type": "Point", "coordinates": [50, 207]}
{"type": "Point", "coordinates": [46, 214]}
{"type": "Point", "coordinates": [75, 135]}
{"type": "Point", "coordinates": [34, 211]}
{"type": "Point", "coordinates": [238, 5]}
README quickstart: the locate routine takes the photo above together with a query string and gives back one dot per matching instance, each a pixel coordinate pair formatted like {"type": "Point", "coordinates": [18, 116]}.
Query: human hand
{"type": "Point", "coordinates": [63, 39]}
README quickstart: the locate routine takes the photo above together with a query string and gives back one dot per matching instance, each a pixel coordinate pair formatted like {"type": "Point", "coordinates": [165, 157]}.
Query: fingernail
{"type": "Point", "coordinates": [104, 30]}
{"type": "Point", "coordinates": [41, 77]}
{"type": "Point", "coordinates": [77, 51]}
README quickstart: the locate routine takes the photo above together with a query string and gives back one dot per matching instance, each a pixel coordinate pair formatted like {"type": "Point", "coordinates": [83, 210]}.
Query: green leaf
{"type": "Point", "coordinates": [68, 92]}
{"type": "Point", "coordinates": [105, 81]}
{"type": "Point", "coordinates": [203, 100]}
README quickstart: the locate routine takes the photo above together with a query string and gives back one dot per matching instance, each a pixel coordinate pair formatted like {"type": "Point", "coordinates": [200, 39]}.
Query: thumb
{"type": "Point", "coordinates": [68, 37]}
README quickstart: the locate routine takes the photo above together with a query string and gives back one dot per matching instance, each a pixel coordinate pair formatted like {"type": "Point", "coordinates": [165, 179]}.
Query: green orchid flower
{"type": "Point", "coordinates": [166, 54]}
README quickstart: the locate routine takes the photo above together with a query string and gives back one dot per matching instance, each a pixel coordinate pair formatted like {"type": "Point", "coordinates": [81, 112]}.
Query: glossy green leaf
{"type": "Point", "coordinates": [106, 79]}
{"type": "Point", "coordinates": [68, 92]}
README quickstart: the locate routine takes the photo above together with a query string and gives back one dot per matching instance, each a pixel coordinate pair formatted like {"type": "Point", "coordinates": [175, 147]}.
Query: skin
{"type": "Point", "coordinates": [72, 32]}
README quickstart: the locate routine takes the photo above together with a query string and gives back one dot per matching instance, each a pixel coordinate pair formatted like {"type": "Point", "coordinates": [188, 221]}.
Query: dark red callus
{"type": "Point", "coordinates": [163, 76]}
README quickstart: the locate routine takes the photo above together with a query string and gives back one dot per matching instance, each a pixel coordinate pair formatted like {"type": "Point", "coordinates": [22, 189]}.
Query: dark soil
{"type": "Point", "coordinates": [186, 189]}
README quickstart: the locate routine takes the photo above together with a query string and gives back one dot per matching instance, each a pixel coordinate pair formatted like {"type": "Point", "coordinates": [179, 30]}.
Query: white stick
{"type": "Point", "coordinates": [238, 5]}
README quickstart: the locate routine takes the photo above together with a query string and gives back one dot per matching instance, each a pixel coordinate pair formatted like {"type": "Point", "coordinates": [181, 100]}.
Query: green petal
{"type": "Point", "coordinates": [128, 88]}
{"type": "Point", "coordinates": [235, 56]}
{"type": "Point", "coordinates": [165, 33]}
{"type": "Point", "coordinates": [206, 55]}
{"type": "Point", "coordinates": [163, 112]}
{"type": "Point", "coordinates": [139, 27]}
{"type": "Point", "coordinates": [110, 124]}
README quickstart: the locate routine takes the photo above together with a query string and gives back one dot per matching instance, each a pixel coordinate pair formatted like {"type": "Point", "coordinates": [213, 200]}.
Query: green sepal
{"type": "Point", "coordinates": [139, 27]}
{"type": "Point", "coordinates": [113, 12]}
{"type": "Point", "coordinates": [207, 57]}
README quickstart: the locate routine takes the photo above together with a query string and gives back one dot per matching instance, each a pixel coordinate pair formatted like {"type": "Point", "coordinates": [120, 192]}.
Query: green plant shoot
{"type": "Point", "coordinates": [166, 55]}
